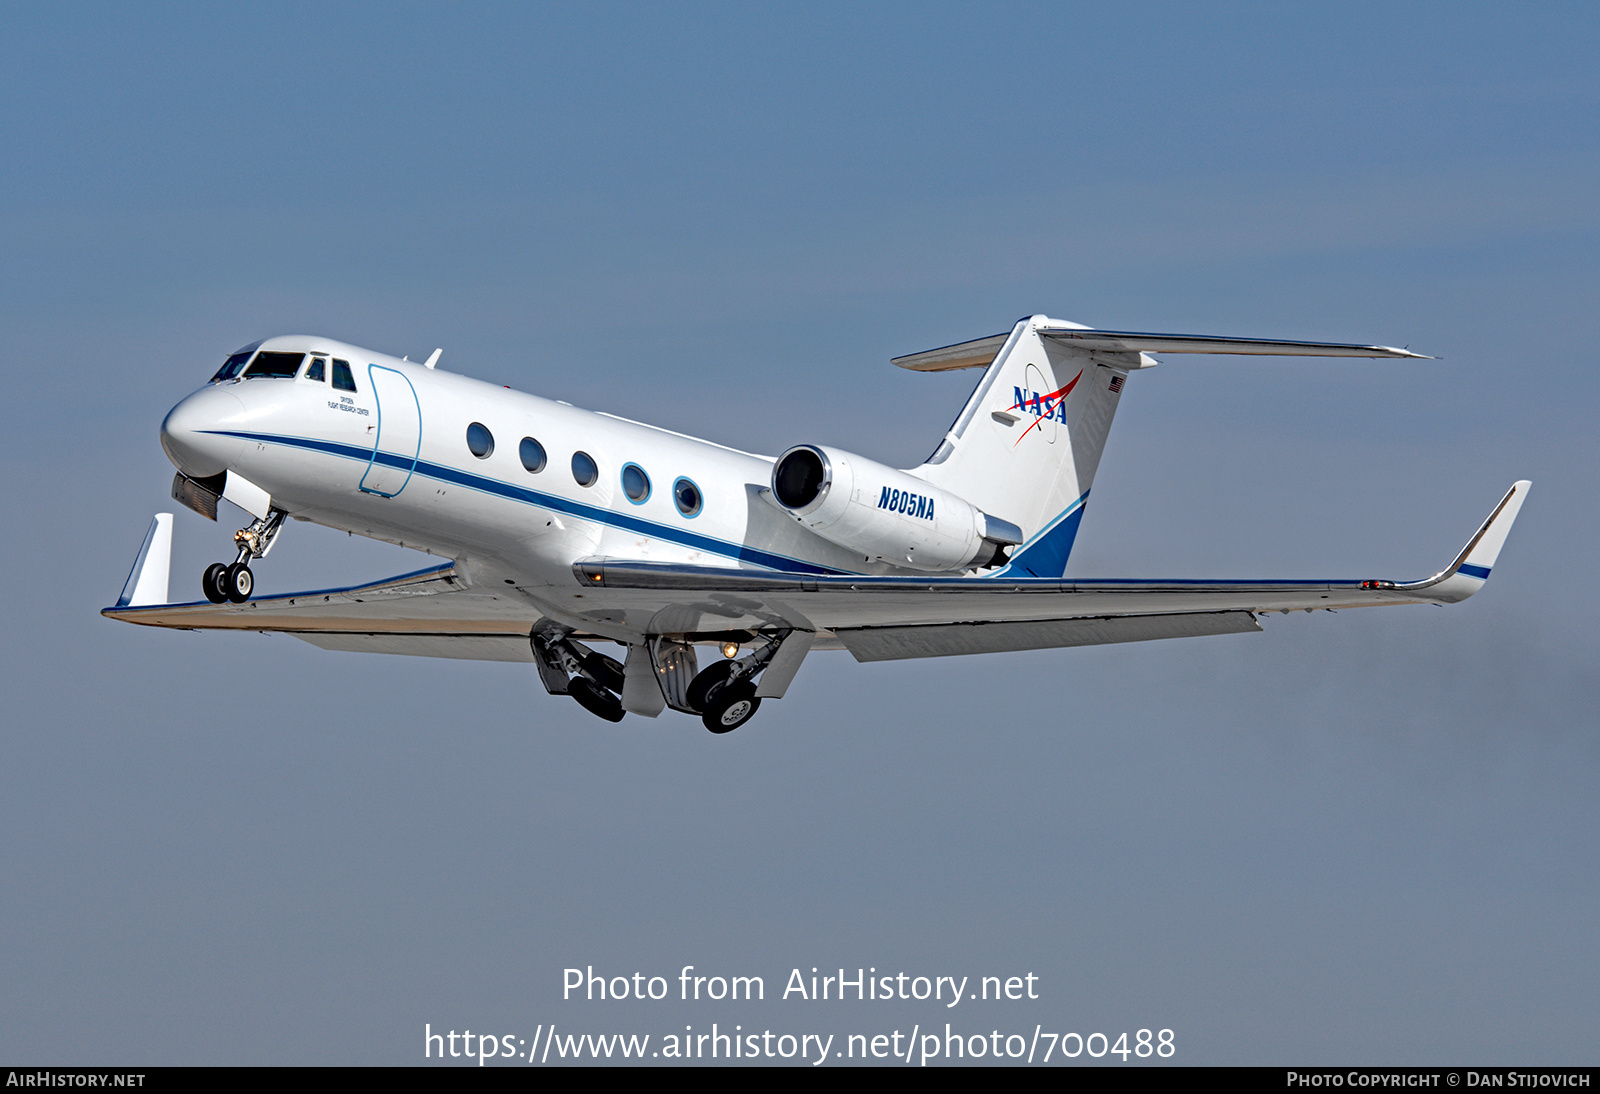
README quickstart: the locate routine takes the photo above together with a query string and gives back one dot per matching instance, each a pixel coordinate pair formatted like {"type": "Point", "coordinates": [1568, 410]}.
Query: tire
{"type": "Point", "coordinates": [595, 700]}
{"type": "Point", "coordinates": [211, 582]}
{"type": "Point", "coordinates": [706, 684]}
{"type": "Point", "coordinates": [731, 707]}
{"type": "Point", "coordinates": [238, 583]}
{"type": "Point", "coordinates": [607, 671]}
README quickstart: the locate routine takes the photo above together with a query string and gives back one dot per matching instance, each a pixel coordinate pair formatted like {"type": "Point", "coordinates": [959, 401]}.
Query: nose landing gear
{"type": "Point", "coordinates": [223, 582]}
{"type": "Point", "coordinates": [235, 582]}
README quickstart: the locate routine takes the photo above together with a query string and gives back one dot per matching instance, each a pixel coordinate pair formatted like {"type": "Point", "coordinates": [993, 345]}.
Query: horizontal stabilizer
{"type": "Point", "coordinates": [1133, 342]}
{"type": "Point", "coordinates": [975, 354]}
{"type": "Point", "coordinates": [980, 352]}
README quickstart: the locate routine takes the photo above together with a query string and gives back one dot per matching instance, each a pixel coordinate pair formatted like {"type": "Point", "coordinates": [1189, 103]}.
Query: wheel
{"type": "Point", "coordinates": [607, 671]}
{"type": "Point", "coordinates": [595, 700]}
{"type": "Point", "coordinates": [238, 583]}
{"type": "Point", "coordinates": [731, 707]}
{"type": "Point", "coordinates": [211, 582]}
{"type": "Point", "coordinates": [706, 684]}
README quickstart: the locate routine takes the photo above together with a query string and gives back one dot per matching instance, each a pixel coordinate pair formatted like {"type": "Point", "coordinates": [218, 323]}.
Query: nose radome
{"type": "Point", "coordinates": [189, 433]}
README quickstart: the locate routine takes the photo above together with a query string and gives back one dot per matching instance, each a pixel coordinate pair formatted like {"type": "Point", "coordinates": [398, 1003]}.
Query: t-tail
{"type": "Point", "coordinates": [1026, 446]}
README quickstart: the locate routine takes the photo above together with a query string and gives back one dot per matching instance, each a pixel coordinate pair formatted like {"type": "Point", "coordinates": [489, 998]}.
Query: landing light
{"type": "Point", "coordinates": [730, 649]}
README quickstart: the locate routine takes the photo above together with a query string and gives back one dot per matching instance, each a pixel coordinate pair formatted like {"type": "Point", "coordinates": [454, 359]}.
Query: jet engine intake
{"type": "Point", "coordinates": [886, 515]}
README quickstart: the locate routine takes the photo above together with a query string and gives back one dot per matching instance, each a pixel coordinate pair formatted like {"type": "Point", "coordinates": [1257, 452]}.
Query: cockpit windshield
{"type": "Point", "coordinates": [278, 365]}
{"type": "Point", "coordinates": [232, 366]}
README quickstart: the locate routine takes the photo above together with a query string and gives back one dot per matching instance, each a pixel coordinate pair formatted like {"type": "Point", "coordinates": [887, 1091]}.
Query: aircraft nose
{"type": "Point", "coordinates": [189, 433]}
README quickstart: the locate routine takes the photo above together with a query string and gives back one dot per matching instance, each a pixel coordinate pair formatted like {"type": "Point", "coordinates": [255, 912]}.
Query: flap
{"type": "Point", "coordinates": [951, 639]}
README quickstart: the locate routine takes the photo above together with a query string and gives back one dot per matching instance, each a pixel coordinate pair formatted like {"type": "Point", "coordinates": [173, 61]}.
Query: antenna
{"type": "Point", "coordinates": [433, 359]}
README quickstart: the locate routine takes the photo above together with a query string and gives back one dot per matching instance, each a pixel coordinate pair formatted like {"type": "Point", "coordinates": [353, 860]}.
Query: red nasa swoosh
{"type": "Point", "coordinates": [1047, 402]}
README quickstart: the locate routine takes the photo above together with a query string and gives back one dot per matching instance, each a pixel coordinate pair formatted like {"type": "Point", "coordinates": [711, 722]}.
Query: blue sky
{"type": "Point", "coordinates": [1368, 836]}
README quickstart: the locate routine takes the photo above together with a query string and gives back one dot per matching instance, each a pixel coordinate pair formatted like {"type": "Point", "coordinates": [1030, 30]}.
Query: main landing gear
{"type": "Point", "coordinates": [224, 582]}
{"type": "Point", "coordinates": [571, 668]}
{"type": "Point", "coordinates": [724, 695]}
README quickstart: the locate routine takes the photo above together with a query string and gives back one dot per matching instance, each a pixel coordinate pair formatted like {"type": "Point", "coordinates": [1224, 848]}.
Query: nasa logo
{"type": "Point", "coordinates": [903, 501]}
{"type": "Point", "coordinates": [1051, 407]}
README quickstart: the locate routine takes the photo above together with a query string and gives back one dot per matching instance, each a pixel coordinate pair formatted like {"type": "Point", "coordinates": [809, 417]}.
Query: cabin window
{"type": "Point", "coordinates": [635, 483]}
{"type": "Point", "coordinates": [343, 378]}
{"type": "Point", "coordinates": [480, 442]}
{"type": "Point", "coordinates": [233, 366]}
{"type": "Point", "coordinates": [584, 469]}
{"type": "Point", "coordinates": [318, 370]}
{"type": "Point", "coordinates": [274, 365]}
{"type": "Point", "coordinates": [532, 453]}
{"type": "Point", "coordinates": [686, 496]}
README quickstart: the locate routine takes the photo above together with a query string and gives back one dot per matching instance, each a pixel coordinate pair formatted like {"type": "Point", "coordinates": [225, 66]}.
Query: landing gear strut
{"type": "Point", "coordinates": [235, 582]}
{"type": "Point", "coordinates": [571, 668]}
{"type": "Point", "coordinates": [725, 693]}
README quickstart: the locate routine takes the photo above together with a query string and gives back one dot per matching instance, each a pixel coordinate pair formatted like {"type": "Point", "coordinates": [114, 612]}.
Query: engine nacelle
{"type": "Point", "coordinates": [886, 515]}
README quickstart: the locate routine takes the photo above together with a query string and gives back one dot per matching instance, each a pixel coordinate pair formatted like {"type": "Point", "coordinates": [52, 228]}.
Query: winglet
{"type": "Point", "coordinates": [147, 582]}
{"type": "Point", "coordinates": [1470, 570]}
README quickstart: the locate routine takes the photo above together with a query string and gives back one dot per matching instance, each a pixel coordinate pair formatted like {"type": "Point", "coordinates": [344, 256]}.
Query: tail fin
{"type": "Point", "coordinates": [1026, 445]}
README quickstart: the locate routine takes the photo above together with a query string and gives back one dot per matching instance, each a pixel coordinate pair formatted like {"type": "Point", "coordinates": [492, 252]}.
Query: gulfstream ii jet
{"type": "Point", "coordinates": [567, 529]}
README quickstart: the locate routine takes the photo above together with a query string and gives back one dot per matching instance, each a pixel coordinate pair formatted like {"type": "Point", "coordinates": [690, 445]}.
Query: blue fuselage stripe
{"type": "Point", "coordinates": [552, 502]}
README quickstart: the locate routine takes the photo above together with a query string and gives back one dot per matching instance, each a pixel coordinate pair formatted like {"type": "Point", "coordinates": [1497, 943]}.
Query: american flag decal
{"type": "Point", "coordinates": [1116, 382]}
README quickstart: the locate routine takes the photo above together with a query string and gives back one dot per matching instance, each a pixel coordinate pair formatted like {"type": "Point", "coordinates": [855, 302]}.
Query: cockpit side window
{"type": "Point", "coordinates": [232, 366]}
{"type": "Point", "coordinates": [343, 378]}
{"type": "Point", "coordinates": [318, 369]}
{"type": "Point", "coordinates": [278, 365]}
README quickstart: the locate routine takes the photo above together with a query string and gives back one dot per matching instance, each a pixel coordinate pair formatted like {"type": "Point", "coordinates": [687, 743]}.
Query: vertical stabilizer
{"type": "Point", "coordinates": [1026, 446]}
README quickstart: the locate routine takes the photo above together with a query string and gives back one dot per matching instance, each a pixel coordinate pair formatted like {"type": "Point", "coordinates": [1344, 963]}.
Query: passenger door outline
{"type": "Point", "coordinates": [399, 433]}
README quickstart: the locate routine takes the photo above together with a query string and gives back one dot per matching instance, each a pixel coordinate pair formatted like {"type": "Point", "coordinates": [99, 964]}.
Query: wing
{"type": "Point", "coordinates": [887, 618]}
{"type": "Point", "coordinates": [431, 613]}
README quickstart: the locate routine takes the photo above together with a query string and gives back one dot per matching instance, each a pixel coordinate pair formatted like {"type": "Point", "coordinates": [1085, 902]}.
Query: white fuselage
{"type": "Point", "coordinates": [376, 463]}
